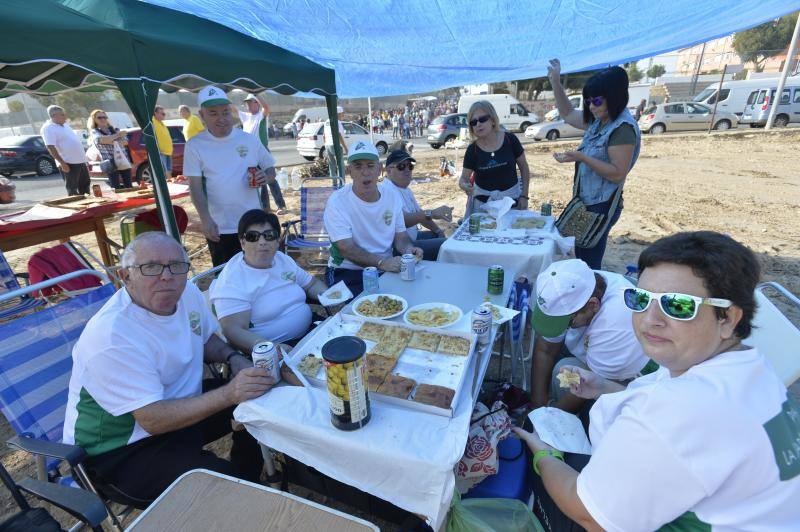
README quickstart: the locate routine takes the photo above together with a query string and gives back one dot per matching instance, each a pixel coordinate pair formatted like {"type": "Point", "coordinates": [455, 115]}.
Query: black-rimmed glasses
{"type": "Point", "coordinates": [152, 269]}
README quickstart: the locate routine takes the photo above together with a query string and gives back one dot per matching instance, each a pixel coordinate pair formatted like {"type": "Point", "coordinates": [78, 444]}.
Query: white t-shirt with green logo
{"type": "Point", "coordinates": [223, 162]}
{"type": "Point", "coordinates": [717, 448]}
{"type": "Point", "coordinates": [372, 226]}
{"type": "Point", "coordinates": [274, 296]}
{"type": "Point", "coordinates": [127, 358]}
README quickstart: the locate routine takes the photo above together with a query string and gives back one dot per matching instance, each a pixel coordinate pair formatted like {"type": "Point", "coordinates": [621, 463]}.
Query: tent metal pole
{"type": "Point", "coordinates": [716, 100]}
{"type": "Point", "coordinates": [784, 74]}
{"type": "Point", "coordinates": [338, 172]}
{"type": "Point", "coordinates": [369, 120]}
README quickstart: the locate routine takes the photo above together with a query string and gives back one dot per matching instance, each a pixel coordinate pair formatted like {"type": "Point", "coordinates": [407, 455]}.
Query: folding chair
{"type": "Point", "coordinates": [514, 333]}
{"type": "Point", "coordinates": [22, 303]}
{"type": "Point", "coordinates": [81, 504]}
{"type": "Point", "coordinates": [35, 366]}
{"type": "Point", "coordinates": [52, 262]}
{"type": "Point", "coordinates": [312, 234]}
{"type": "Point", "coordinates": [774, 335]}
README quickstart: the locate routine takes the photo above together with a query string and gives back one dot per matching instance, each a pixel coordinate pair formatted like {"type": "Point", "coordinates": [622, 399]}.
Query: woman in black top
{"type": "Point", "coordinates": [493, 157]}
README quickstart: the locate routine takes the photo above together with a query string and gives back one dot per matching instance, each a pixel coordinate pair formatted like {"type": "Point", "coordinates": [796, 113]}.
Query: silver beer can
{"type": "Point", "coordinates": [265, 355]}
{"type": "Point", "coordinates": [482, 324]}
{"type": "Point", "coordinates": [408, 266]}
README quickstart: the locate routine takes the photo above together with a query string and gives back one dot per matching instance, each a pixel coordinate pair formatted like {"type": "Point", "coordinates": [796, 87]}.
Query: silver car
{"type": "Point", "coordinates": [553, 130]}
{"type": "Point", "coordinates": [684, 116]}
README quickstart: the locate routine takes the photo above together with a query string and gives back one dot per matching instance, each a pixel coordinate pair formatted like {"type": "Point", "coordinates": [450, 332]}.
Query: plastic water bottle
{"type": "Point", "coordinates": [297, 180]}
{"type": "Point", "coordinates": [283, 178]}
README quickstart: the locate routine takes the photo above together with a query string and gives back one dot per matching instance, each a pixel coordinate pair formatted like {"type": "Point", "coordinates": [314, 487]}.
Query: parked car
{"type": "Point", "coordinates": [684, 116]}
{"type": "Point", "coordinates": [553, 130]}
{"type": "Point", "coordinates": [759, 105]}
{"type": "Point", "coordinates": [137, 153]}
{"type": "Point", "coordinates": [444, 128]}
{"type": "Point", "coordinates": [25, 153]}
{"type": "Point", "coordinates": [311, 140]}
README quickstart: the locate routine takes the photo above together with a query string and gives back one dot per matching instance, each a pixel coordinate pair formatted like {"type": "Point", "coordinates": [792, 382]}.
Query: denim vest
{"type": "Point", "coordinates": [593, 187]}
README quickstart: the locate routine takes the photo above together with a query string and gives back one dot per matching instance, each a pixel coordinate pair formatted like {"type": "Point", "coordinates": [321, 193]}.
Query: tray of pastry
{"type": "Point", "coordinates": [79, 202]}
{"type": "Point", "coordinates": [409, 366]}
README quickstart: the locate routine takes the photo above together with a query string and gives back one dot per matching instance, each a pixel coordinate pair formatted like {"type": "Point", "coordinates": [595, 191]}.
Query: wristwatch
{"type": "Point", "coordinates": [429, 214]}
{"type": "Point", "coordinates": [233, 354]}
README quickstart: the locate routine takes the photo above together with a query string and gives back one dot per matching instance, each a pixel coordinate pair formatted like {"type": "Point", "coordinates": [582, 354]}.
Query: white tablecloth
{"type": "Point", "coordinates": [402, 456]}
{"type": "Point", "coordinates": [526, 254]}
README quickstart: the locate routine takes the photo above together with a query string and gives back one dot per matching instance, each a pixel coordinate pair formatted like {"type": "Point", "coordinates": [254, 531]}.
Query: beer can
{"type": "Point", "coordinates": [408, 266]}
{"type": "Point", "coordinates": [265, 355]}
{"type": "Point", "coordinates": [475, 224]}
{"type": "Point", "coordinates": [547, 209]}
{"type": "Point", "coordinates": [345, 369]}
{"type": "Point", "coordinates": [251, 174]}
{"type": "Point", "coordinates": [482, 324]}
{"type": "Point", "coordinates": [495, 279]}
{"type": "Point", "coordinates": [97, 191]}
{"type": "Point", "coordinates": [370, 280]}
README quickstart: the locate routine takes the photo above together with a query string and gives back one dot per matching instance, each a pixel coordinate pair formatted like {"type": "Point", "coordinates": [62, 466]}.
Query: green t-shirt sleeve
{"type": "Point", "coordinates": [624, 134]}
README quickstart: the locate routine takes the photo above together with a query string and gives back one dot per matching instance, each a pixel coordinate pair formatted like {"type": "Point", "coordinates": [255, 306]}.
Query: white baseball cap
{"type": "Point", "coordinates": [250, 97]}
{"type": "Point", "coordinates": [561, 291]}
{"type": "Point", "coordinates": [211, 95]}
{"type": "Point", "coordinates": [363, 149]}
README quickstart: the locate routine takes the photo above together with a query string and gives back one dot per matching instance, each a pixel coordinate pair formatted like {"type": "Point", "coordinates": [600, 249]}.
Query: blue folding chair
{"type": "Point", "coordinates": [14, 306]}
{"type": "Point", "coordinates": [312, 234]}
{"type": "Point", "coordinates": [35, 367]}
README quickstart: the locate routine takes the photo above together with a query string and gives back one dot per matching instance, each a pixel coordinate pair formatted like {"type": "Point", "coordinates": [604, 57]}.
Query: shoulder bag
{"type": "Point", "coordinates": [587, 227]}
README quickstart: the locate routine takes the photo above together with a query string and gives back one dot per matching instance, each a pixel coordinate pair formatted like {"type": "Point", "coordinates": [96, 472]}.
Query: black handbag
{"type": "Point", "coordinates": [587, 227]}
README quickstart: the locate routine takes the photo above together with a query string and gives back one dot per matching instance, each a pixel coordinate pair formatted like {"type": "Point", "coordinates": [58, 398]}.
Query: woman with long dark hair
{"type": "Point", "coordinates": [609, 148]}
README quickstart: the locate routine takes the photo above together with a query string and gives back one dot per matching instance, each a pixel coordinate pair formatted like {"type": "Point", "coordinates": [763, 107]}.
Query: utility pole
{"type": "Point", "coordinates": [786, 66]}
{"type": "Point", "coordinates": [716, 99]}
{"type": "Point", "coordinates": [697, 70]}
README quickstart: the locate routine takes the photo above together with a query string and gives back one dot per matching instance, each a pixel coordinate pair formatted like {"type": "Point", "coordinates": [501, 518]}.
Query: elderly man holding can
{"type": "Point", "coordinates": [220, 163]}
{"type": "Point", "coordinates": [363, 223]}
{"type": "Point", "coordinates": [138, 404]}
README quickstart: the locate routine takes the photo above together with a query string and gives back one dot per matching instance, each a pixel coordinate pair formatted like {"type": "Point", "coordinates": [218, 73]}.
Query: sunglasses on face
{"type": "Point", "coordinates": [270, 235]}
{"type": "Point", "coordinates": [597, 101]}
{"type": "Point", "coordinates": [101, 117]}
{"type": "Point", "coordinates": [402, 166]}
{"type": "Point", "coordinates": [474, 121]}
{"type": "Point", "coordinates": [152, 269]}
{"type": "Point", "coordinates": [681, 307]}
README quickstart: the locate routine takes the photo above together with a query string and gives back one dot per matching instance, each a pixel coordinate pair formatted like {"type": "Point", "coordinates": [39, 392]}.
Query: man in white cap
{"type": "Point", "coordinates": [217, 162]}
{"type": "Point", "coordinates": [255, 120]}
{"type": "Point", "coordinates": [363, 224]}
{"type": "Point", "coordinates": [328, 139]}
{"type": "Point", "coordinates": [583, 311]}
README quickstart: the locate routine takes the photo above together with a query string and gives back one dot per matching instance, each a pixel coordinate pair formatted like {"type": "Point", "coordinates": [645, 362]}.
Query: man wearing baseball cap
{"type": "Point", "coordinates": [581, 311]}
{"type": "Point", "coordinates": [216, 162]}
{"type": "Point", "coordinates": [363, 223]}
{"type": "Point", "coordinates": [399, 166]}
{"type": "Point", "coordinates": [255, 120]}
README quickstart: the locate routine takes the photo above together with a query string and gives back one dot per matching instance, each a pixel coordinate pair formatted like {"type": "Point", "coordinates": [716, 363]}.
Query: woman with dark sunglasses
{"type": "Point", "coordinates": [711, 440]}
{"type": "Point", "coordinates": [608, 151]}
{"type": "Point", "coordinates": [261, 293]}
{"type": "Point", "coordinates": [493, 159]}
{"type": "Point", "coordinates": [104, 137]}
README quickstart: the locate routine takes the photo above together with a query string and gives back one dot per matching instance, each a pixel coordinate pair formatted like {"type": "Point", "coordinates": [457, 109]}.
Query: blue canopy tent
{"type": "Point", "coordinates": [384, 47]}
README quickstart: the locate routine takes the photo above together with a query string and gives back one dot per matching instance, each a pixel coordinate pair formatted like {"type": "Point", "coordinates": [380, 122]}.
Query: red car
{"type": "Point", "coordinates": [137, 153]}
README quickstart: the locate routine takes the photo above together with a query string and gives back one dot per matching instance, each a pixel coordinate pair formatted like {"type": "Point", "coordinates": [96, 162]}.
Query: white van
{"type": "Point", "coordinates": [309, 114]}
{"type": "Point", "coordinates": [512, 114]}
{"type": "Point", "coordinates": [733, 94]}
{"type": "Point", "coordinates": [120, 120]}
{"type": "Point", "coordinates": [760, 102]}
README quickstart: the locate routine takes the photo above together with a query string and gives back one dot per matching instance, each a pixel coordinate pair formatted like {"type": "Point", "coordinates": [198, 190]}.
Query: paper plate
{"type": "Point", "coordinates": [447, 307]}
{"type": "Point", "coordinates": [373, 297]}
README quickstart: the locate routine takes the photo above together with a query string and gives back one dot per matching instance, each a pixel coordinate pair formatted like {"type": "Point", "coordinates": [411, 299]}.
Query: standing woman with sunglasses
{"type": "Point", "coordinates": [711, 440]}
{"type": "Point", "coordinates": [261, 293]}
{"type": "Point", "coordinates": [104, 136]}
{"type": "Point", "coordinates": [493, 157]}
{"type": "Point", "coordinates": [608, 151]}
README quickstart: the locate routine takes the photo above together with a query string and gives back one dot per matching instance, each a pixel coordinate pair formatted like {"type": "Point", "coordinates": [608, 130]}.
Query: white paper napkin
{"type": "Point", "coordinates": [327, 301]}
{"type": "Point", "coordinates": [561, 430]}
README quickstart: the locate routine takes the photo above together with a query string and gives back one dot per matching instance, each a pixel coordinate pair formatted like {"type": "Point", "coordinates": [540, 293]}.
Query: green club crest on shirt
{"type": "Point", "coordinates": [194, 322]}
{"type": "Point", "coordinates": [387, 217]}
{"type": "Point", "coordinates": [243, 150]}
{"type": "Point", "coordinates": [784, 434]}
{"type": "Point", "coordinates": [288, 276]}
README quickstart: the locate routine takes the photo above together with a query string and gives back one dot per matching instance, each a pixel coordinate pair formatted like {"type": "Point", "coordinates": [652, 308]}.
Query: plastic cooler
{"type": "Point", "coordinates": [512, 480]}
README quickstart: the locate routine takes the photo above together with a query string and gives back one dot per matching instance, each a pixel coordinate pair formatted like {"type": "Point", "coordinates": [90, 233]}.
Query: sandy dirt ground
{"type": "Point", "coordinates": [744, 183]}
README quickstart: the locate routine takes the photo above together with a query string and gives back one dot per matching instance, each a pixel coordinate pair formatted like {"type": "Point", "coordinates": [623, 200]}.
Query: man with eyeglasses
{"type": "Point", "coordinates": [138, 404]}
{"type": "Point", "coordinates": [581, 319]}
{"type": "Point", "coordinates": [217, 163]}
{"type": "Point", "coordinates": [364, 224]}
{"type": "Point", "coordinates": [399, 166]}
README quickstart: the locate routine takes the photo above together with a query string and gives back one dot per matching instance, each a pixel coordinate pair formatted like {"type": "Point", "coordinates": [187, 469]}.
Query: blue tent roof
{"type": "Point", "coordinates": [384, 47]}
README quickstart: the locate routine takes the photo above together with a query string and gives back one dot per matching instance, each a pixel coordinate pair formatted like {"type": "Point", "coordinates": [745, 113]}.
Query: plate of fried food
{"type": "Point", "coordinates": [381, 306]}
{"type": "Point", "coordinates": [434, 315]}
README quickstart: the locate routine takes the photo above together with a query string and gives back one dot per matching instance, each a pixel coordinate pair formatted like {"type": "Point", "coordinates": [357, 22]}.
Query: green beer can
{"type": "Point", "coordinates": [475, 224]}
{"type": "Point", "coordinates": [496, 279]}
